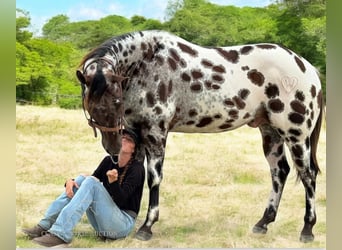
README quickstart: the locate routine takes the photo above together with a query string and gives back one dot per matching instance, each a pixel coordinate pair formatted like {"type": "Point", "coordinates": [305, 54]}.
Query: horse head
{"type": "Point", "coordinates": [103, 101]}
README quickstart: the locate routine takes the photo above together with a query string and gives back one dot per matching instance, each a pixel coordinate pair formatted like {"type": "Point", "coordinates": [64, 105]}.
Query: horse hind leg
{"type": "Point", "coordinates": [273, 146]}
{"type": "Point", "coordinates": [307, 169]}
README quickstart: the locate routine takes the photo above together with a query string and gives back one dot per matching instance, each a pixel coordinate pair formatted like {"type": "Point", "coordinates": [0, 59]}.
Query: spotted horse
{"type": "Point", "coordinates": [156, 82]}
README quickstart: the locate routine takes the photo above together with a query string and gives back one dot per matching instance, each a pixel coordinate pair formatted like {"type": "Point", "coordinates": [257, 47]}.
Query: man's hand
{"type": "Point", "coordinates": [69, 187]}
{"type": "Point", "coordinates": [112, 175]}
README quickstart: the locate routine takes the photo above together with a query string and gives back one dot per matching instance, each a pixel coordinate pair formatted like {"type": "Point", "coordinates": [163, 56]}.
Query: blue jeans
{"type": "Point", "coordinates": [91, 197]}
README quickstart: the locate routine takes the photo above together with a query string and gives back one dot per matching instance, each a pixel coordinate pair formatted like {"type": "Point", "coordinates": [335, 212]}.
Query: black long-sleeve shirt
{"type": "Point", "coordinates": [127, 196]}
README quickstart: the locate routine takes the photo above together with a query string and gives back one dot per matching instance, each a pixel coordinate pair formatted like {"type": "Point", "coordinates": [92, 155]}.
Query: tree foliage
{"type": "Point", "coordinates": [45, 65]}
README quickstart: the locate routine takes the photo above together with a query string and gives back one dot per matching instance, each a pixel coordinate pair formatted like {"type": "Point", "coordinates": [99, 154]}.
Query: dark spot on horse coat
{"type": "Point", "coordinates": [296, 118]}
{"type": "Point", "coordinates": [162, 90]}
{"type": "Point", "coordinates": [309, 123]}
{"type": "Point", "coordinates": [313, 91]}
{"type": "Point", "coordinates": [298, 107]}
{"type": "Point", "coordinates": [256, 77]}
{"type": "Point", "coordinates": [293, 139]}
{"type": "Point", "coordinates": [150, 101]}
{"type": "Point", "coordinates": [185, 48]}
{"type": "Point", "coordinates": [149, 55]}
{"type": "Point", "coordinates": [234, 114]}
{"type": "Point", "coordinates": [174, 54]}
{"type": "Point", "coordinates": [311, 105]}
{"type": "Point", "coordinates": [206, 63]}
{"type": "Point", "coordinates": [243, 93]}
{"type": "Point", "coordinates": [143, 46]}
{"type": "Point", "coordinates": [296, 132]}
{"type": "Point", "coordinates": [266, 46]}
{"type": "Point", "coordinates": [189, 123]}
{"type": "Point", "coordinates": [172, 63]}
{"type": "Point", "coordinates": [115, 48]}
{"type": "Point", "coordinates": [120, 47]}
{"type": "Point", "coordinates": [297, 151]}
{"type": "Point", "coordinates": [170, 88]}
{"type": "Point", "coordinates": [192, 112]}
{"type": "Point", "coordinates": [266, 144]}
{"type": "Point", "coordinates": [208, 84]}
{"type": "Point", "coordinates": [299, 163]}
{"type": "Point", "coordinates": [244, 68]}
{"type": "Point", "coordinates": [196, 74]}
{"type": "Point", "coordinates": [217, 78]}
{"type": "Point", "coordinates": [162, 126]}
{"type": "Point", "coordinates": [280, 150]}
{"type": "Point", "coordinates": [300, 64]}
{"type": "Point", "coordinates": [186, 77]}
{"type": "Point", "coordinates": [275, 186]}
{"type": "Point", "coordinates": [246, 116]}
{"type": "Point", "coordinates": [300, 96]}
{"type": "Point", "coordinates": [284, 169]}
{"type": "Point", "coordinates": [320, 98]}
{"type": "Point", "coordinates": [204, 122]}
{"type": "Point", "coordinates": [196, 87]}
{"type": "Point", "coordinates": [246, 49]}
{"type": "Point", "coordinates": [183, 63]}
{"type": "Point", "coordinates": [159, 59]}
{"type": "Point", "coordinates": [128, 111]}
{"type": "Point", "coordinates": [231, 55]}
{"type": "Point", "coordinates": [272, 90]}
{"type": "Point", "coordinates": [240, 104]}
{"type": "Point", "coordinates": [228, 102]}
{"type": "Point", "coordinates": [276, 105]}
{"type": "Point", "coordinates": [219, 69]}
{"type": "Point", "coordinates": [158, 110]}
{"type": "Point", "coordinates": [312, 115]}
{"type": "Point", "coordinates": [225, 126]}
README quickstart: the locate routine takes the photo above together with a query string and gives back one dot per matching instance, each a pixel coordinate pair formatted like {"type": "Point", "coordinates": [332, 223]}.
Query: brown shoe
{"type": "Point", "coordinates": [50, 240]}
{"type": "Point", "coordinates": [35, 231]}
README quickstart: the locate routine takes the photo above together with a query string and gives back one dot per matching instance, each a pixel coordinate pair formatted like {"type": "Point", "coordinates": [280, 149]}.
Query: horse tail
{"type": "Point", "coordinates": [315, 135]}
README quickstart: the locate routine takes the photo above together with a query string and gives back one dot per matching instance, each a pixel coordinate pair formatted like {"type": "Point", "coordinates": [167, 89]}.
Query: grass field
{"type": "Point", "coordinates": [215, 186]}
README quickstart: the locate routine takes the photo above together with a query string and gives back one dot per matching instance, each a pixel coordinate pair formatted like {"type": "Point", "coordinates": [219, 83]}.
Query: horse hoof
{"type": "Point", "coordinates": [259, 230]}
{"type": "Point", "coordinates": [142, 235]}
{"type": "Point", "coordinates": [306, 238]}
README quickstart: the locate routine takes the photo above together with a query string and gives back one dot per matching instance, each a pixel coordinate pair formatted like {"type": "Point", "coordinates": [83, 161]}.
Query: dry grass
{"type": "Point", "coordinates": [215, 186]}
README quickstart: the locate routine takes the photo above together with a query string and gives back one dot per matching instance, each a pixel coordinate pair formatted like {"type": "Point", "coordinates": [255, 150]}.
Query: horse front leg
{"type": "Point", "coordinates": [154, 177]}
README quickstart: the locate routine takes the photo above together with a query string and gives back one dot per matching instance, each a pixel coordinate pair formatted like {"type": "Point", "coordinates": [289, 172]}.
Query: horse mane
{"type": "Point", "coordinates": [107, 46]}
{"type": "Point", "coordinates": [96, 52]}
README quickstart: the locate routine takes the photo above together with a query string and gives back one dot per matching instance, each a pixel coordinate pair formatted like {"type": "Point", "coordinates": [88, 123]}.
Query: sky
{"type": "Point", "coordinates": [40, 11]}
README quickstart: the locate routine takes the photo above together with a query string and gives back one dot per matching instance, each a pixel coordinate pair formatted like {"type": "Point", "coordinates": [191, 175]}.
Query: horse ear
{"type": "Point", "coordinates": [80, 77]}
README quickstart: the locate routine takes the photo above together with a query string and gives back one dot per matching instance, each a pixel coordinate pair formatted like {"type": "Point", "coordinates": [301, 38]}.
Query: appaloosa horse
{"type": "Point", "coordinates": [156, 83]}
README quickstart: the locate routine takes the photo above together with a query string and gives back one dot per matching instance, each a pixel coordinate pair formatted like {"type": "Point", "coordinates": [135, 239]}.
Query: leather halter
{"type": "Point", "coordinates": [91, 122]}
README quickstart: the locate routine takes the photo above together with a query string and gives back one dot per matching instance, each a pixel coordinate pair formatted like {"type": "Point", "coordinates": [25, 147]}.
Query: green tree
{"type": "Point", "coordinates": [56, 29]}
{"type": "Point", "coordinates": [22, 22]}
